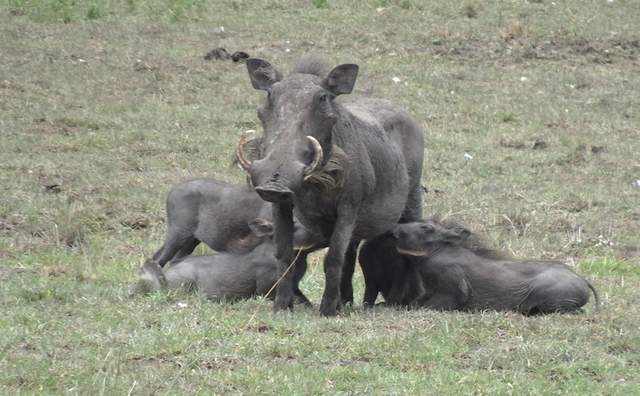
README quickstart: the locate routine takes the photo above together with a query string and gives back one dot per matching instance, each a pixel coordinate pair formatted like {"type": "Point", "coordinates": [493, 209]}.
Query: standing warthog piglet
{"type": "Point", "coordinates": [459, 275]}
{"type": "Point", "coordinates": [349, 171]}
{"type": "Point", "coordinates": [224, 276]}
{"type": "Point", "coordinates": [217, 214]}
{"type": "Point", "coordinates": [213, 212]}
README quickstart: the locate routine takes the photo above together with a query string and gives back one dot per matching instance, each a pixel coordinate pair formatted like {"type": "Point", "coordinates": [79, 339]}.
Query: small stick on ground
{"type": "Point", "coordinates": [246, 326]}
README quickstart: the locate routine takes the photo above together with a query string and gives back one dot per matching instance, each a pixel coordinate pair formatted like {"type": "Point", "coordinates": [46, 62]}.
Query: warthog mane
{"type": "Point", "coordinates": [311, 65]}
{"type": "Point", "coordinates": [331, 176]}
{"type": "Point", "coordinates": [474, 243]}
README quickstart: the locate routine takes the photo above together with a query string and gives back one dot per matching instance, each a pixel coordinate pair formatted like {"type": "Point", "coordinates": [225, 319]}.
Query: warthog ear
{"type": "Point", "coordinates": [457, 235]}
{"type": "Point", "coordinates": [341, 79]}
{"type": "Point", "coordinates": [261, 227]}
{"type": "Point", "coordinates": [262, 74]}
{"type": "Point", "coordinates": [427, 227]}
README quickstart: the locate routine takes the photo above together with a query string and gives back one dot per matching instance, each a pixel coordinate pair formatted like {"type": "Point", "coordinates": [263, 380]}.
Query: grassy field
{"type": "Point", "coordinates": [532, 120]}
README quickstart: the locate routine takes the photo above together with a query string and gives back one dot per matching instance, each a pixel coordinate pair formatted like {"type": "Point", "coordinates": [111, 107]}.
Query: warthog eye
{"type": "Point", "coordinates": [324, 104]}
{"type": "Point", "coordinates": [427, 228]}
{"type": "Point", "coordinates": [269, 97]}
{"type": "Point", "coordinates": [261, 114]}
{"type": "Point", "coordinates": [323, 98]}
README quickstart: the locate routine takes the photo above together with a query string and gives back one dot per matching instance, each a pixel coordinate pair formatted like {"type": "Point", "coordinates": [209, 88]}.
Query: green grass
{"type": "Point", "coordinates": [105, 104]}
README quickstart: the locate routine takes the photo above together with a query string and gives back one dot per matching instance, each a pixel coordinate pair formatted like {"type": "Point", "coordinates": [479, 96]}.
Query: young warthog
{"type": "Point", "coordinates": [224, 276]}
{"type": "Point", "coordinates": [459, 275]}
{"type": "Point", "coordinates": [218, 214]}
{"type": "Point", "coordinates": [213, 212]}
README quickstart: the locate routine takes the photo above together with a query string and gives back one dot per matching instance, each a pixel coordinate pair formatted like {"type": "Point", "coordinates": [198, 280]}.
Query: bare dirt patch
{"type": "Point", "coordinates": [517, 49]}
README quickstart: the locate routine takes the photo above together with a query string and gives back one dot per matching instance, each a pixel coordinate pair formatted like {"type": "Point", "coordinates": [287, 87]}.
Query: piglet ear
{"type": "Point", "coordinates": [262, 74]}
{"type": "Point", "coordinates": [428, 227]}
{"type": "Point", "coordinates": [341, 79]}
{"type": "Point", "coordinates": [457, 235]}
{"type": "Point", "coordinates": [261, 227]}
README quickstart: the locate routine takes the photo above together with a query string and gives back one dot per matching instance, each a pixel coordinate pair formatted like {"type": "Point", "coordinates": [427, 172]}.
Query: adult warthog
{"type": "Point", "coordinates": [349, 171]}
{"type": "Point", "coordinates": [465, 276]}
{"type": "Point", "coordinates": [218, 214]}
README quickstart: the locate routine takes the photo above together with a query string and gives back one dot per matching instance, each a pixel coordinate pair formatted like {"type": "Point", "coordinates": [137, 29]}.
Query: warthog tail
{"type": "Point", "coordinates": [595, 294]}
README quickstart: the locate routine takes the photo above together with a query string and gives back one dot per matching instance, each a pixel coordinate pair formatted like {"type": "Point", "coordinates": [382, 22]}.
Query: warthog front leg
{"type": "Point", "coordinates": [283, 222]}
{"type": "Point", "coordinates": [176, 246]}
{"type": "Point", "coordinates": [453, 294]}
{"type": "Point", "coordinates": [370, 295]}
{"type": "Point", "coordinates": [334, 261]}
{"type": "Point", "coordinates": [346, 285]}
{"type": "Point", "coordinates": [399, 287]}
{"type": "Point", "coordinates": [299, 269]}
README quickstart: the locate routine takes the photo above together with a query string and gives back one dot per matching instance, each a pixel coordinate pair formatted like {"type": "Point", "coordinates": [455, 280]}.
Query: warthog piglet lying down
{"type": "Point", "coordinates": [224, 276]}
{"type": "Point", "coordinates": [217, 214]}
{"type": "Point", "coordinates": [460, 275]}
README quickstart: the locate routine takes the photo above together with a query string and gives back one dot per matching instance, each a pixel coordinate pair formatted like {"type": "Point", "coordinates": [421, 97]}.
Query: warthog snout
{"type": "Point", "coordinates": [280, 173]}
{"type": "Point", "coordinates": [273, 192]}
{"type": "Point", "coordinates": [274, 182]}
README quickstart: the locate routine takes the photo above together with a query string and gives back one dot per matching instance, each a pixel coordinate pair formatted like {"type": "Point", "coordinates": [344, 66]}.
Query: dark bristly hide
{"type": "Point", "coordinates": [331, 176]}
{"type": "Point", "coordinates": [311, 65]}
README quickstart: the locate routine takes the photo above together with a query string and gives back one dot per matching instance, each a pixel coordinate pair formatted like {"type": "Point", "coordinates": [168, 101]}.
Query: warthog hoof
{"type": "Point", "coordinates": [282, 304]}
{"type": "Point", "coordinates": [347, 301]}
{"type": "Point", "coordinates": [329, 307]}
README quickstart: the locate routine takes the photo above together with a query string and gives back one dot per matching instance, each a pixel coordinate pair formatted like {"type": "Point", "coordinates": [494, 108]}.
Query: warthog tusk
{"type": "Point", "coordinates": [317, 157]}
{"type": "Point", "coordinates": [242, 160]}
{"type": "Point", "coordinates": [412, 252]}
